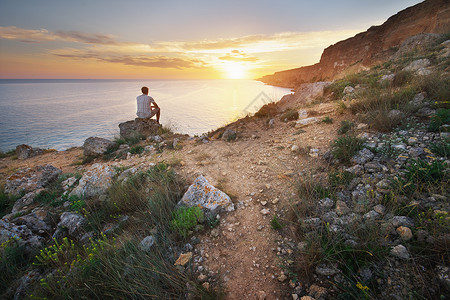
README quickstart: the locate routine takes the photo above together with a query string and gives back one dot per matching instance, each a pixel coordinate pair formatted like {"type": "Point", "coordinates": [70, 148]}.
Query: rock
{"type": "Point", "coordinates": [25, 284]}
{"type": "Point", "coordinates": [380, 209]}
{"type": "Point", "coordinates": [317, 291]}
{"type": "Point", "coordinates": [341, 208]}
{"type": "Point", "coordinates": [402, 221]}
{"type": "Point", "coordinates": [229, 135]}
{"type": "Point", "coordinates": [417, 65]}
{"type": "Point", "coordinates": [271, 123]}
{"type": "Point", "coordinates": [72, 222]}
{"type": "Point", "coordinates": [326, 270]}
{"type": "Point", "coordinates": [443, 274]}
{"type": "Point", "coordinates": [405, 233]}
{"type": "Point", "coordinates": [202, 278]}
{"type": "Point", "coordinates": [25, 200]}
{"type": "Point", "coordinates": [400, 251]}
{"type": "Point", "coordinates": [416, 152]}
{"type": "Point", "coordinates": [261, 295]}
{"type": "Point", "coordinates": [183, 259]}
{"type": "Point", "coordinates": [326, 203]}
{"type": "Point", "coordinates": [356, 170]}
{"type": "Point", "coordinates": [22, 234]}
{"type": "Point", "coordinates": [383, 186]}
{"type": "Point", "coordinates": [282, 278]}
{"type": "Point", "coordinates": [24, 151]}
{"type": "Point", "coordinates": [307, 298]}
{"type": "Point", "coordinates": [295, 148]}
{"type": "Point", "coordinates": [112, 227]}
{"type": "Point", "coordinates": [147, 243]}
{"type": "Point", "coordinates": [206, 196]}
{"type": "Point", "coordinates": [265, 211]}
{"type": "Point", "coordinates": [31, 179]}
{"type": "Point", "coordinates": [68, 183]}
{"type": "Point", "coordinates": [95, 146]}
{"type": "Point", "coordinates": [388, 78]}
{"type": "Point", "coordinates": [395, 114]}
{"type": "Point", "coordinates": [306, 122]}
{"type": "Point", "coordinates": [305, 94]}
{"type": "Point", "coordinates": [38, 221]}
{"type": "Point", "coordinates": [294, 296]}
{"type": "Point", "coordinates": [422, 235]}
{"type": "Point", "coordinates": [143, 127]}
{"type": "Point", "coordinates": [206, 285]}
{"type": "Point", "coordinates": [313, 152]}
{"type": "Point", "coordinates": [416, 43]}
{"type": "Point", "coordinates": [363, 156]}
{"type": "Point", "coordinates": [417, 101]}
{"type": "Point", "coordinates": [371, 215]}
{"type": "Point", "coordinates": [302, 114]}
{"type": "Point", "coordinates": [95, 181]}
{"type": "Point", "coordinates": [349, 90]}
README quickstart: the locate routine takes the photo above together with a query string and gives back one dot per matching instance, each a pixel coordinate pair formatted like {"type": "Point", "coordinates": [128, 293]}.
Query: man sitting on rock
{"type": "Point", "coordinates": [146, 106]}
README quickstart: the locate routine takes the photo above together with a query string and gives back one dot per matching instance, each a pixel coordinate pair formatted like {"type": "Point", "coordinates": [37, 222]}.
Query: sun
{"type": "Point", "coordinates": [234, 69]}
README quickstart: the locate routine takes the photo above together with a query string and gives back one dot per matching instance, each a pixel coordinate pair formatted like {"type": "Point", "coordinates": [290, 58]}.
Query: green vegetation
{"type": "Point", "coordinates": [289, 115]}
{"type": "Point", "coordinates": [327, 120]}
{"type": "Point", "coordinates": [346, 126]}
{"type": "Point", "coordinates": [7, 153]}
{"type": "Point", "coordinates": [344, 148]}
{"type": "Point", "coordinates": [441, 148]}
{"type": "Point", "coordinates": [6, 201]}
{"type": "Point", "coordinates": [185, 219]}
{"type": "Point", "coordinates": [442, 117]}
{"type": "Point", "coordinates": [137, 149]}
{"type": "Point", "coordinates": [275, 223]}
{"type": "Point", "coordinates": [116, 266]}
{"type": "Point", "coordinates": [14, 260]}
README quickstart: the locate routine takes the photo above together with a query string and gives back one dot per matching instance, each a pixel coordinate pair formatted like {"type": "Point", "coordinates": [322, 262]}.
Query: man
{"type": "Point", "coordinates": [146, 106]}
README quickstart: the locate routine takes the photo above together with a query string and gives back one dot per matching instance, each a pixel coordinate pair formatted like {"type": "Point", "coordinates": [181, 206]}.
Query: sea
{"type": "Point", "coordinates": [62, 113]}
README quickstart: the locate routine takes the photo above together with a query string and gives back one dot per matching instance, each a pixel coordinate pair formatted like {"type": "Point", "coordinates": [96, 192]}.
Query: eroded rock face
{"type": "Point", "coordinates": [376, 45]}
{"type": "Point", "coordinates": [21, 233]}
{"type": "Point", "coordinates": [95, 181]}
{"type": "Point", "coordinates": [202, 193]}
{"type": "Point", "coordinates": [24, 151]}
{"type": "Point", "coordinates": [303, 95]}
{"type": "Point", "coordinates": [95, 146]}
{"type": "Point", "coordinates": [139, 126]}
{"type": "Point", "coordinates": [72, 222]}
{"type": "Point", "coordinates": [30, 179]}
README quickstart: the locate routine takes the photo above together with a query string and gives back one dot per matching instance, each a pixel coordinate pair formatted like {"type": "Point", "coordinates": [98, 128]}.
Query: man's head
{"type": "Point", "coordinates": [144, 90]}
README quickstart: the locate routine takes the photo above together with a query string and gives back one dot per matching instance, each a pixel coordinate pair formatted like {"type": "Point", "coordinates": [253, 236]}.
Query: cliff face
{"type": "Point", "coordinates": [373, 46]}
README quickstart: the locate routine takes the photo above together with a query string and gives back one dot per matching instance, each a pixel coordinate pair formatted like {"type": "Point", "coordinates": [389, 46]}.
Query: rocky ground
{"type": "Point", "coordinates": [266, 164]}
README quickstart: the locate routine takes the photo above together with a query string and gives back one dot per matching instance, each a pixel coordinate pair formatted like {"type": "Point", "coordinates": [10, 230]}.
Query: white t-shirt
{"type": "Point", "coordinates": [143, 106]}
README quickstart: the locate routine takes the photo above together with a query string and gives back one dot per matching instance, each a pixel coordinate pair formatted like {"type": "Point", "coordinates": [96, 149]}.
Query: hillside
{"type": "Point", "coordinates": [374, 46]}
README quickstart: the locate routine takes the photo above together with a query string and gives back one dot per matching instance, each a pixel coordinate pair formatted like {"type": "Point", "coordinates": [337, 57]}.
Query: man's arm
{"type": "Point", "coordinates": [153, 104]}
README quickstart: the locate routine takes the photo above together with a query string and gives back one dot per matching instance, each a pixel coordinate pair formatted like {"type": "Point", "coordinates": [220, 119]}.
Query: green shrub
{"type": "Point", "coordinates": [13, 261]}
{"type": "Point", "coordinates": [6, 201]}
{"type": "Point", "coordinates": [289, 115]}
{"type": "Point", "coordinates": [327, 120]}
{"type": "Point", "coordinates": [340, 178]}
{"type": "Point", "coordinates": [346, 126]}
{"type": "Point", "coordinates": [137, 149]}
{"type": "Point", "coordinates": [130, 140]}
{"type": "Point", "coordinates": [344, 148]}
{"type": "Point", "coordinates": [441, 148]}
{"type": "Point", "coordinates": [441, 117]}
{"type": "Point", "coordinates": [185, 219]}
{"type": "Point", "coordinates": [336, 89]}
{"type": "Point", "coordinates": [7, 153]}
{"type": "Point", "coordinates": [275, 223]}
{"type": "Point", "coordinates": [419, 171]}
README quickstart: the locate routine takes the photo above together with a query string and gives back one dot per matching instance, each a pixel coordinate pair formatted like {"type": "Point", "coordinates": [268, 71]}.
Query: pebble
{"type": "Point", "coordinates": [265, 211]}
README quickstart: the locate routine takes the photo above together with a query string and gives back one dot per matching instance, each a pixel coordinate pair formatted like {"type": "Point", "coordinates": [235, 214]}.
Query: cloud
{"type": "Point", "coordinates": [237, 55]}
{"type": "Point", "coordinates": [41, 35]}
{"type": "Point", "coordinates": [130, 60]}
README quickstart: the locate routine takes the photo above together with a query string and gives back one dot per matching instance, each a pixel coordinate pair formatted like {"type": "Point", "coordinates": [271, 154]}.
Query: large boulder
{"type": "Point", "coordinates": [305, 94]}
{"type": "Point", "coordinates": [95, 146]}
{"type": "Point", "coordinates": [95, 181]}
{"type": "Point", "coordinates": [24, 151]}
{"type": "Point", "coordinates": [21, 233]}
{"type": "Point", "coordinates": [31, 179]}
{"type": "Point", "coordinates": [138, 126]}
{"type": "Point", "coordinates": [201, 193]}
{"type": "Point", "coordinates": [71, 223]}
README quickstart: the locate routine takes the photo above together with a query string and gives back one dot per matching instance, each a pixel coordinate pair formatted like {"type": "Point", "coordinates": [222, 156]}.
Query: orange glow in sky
{"type": "Point", "coordinates": [140, 39]}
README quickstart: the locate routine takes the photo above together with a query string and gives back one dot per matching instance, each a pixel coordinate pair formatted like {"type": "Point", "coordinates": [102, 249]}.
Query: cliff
{"type": "Point", "coordinates": [366, 49]}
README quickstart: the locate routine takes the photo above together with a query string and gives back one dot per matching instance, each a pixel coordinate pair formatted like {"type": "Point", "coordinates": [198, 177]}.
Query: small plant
{"type": "Point", "coordinates": [6, 201]}
{"type": "Point", "coordinates": [343, 148]}
{"type": "Point", "coordinates": [340, 178]}
{"type": "Point", "coordinates": [441, 148]}
{"type": "Point", "coordinates": [7, 154]}
{"type": "Point", "coordinates": [137, 149]}
{"type": "Point", "coordinates": [346, 126]}
{"type": "Point", "coordinates": [419, 171]}
{"type": "Point", "coordinates": [275, 223]}
{"type": "Point", "coordinates": [185, 219]}
{"type": "Point", "coordinates": [327, 120]}
{"type": "Point", "coordinates": [87, 160]}
{"type": "Point", "coordinates": [441, 117]}
{"type": "Point", "coordinates": [289, 115]}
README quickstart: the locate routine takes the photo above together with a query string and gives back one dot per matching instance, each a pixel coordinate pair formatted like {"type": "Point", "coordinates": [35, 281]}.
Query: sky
{"type": "Point", "coordinates": [175, 39]}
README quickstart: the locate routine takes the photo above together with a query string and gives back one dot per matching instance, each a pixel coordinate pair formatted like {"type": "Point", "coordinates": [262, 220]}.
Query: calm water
{"type": "Point", "coordinates": [62, 113]}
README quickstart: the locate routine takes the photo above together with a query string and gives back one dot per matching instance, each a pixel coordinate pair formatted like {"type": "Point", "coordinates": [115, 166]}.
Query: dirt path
{"type": "Point", "coordinates": [257, 171]}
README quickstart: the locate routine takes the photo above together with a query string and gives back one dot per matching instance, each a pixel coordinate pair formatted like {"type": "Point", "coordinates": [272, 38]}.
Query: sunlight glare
{"type": "Point", "coordinates": [234, 70]}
